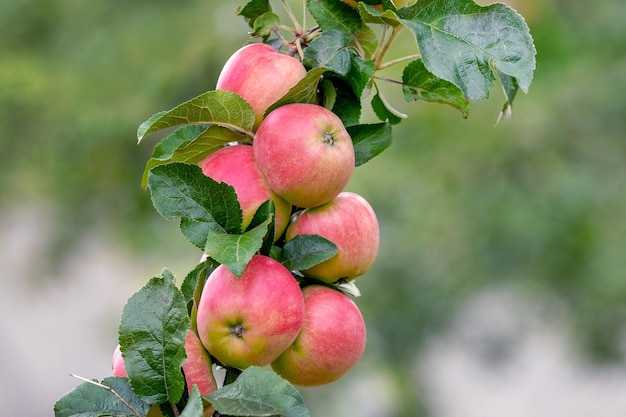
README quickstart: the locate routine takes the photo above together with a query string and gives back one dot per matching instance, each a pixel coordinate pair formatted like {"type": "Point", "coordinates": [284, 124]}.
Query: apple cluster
{"type": "Point", "coordinates": [301, 158]}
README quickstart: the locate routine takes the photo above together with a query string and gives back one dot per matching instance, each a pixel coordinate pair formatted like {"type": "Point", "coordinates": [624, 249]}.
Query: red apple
{"type": "Point", "coordinates": [250, 320]}
{"type": "Point", "coordinates": [261, 75]}
{"type": "Point", "coordinates": [350, 223]}
{"type": "Point", "coordinates": [331, 342]}
{"type": "Point", "coordinates": [305, 153]}
{"type": "Point", "coordinates": [236, 166]}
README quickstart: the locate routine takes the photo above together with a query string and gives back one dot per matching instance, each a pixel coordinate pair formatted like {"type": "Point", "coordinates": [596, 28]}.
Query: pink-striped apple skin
{"type": "Point", "coordinates": [261, 75]}
{"type": "Point", "coordinates": [252, 319]}
{"type": "Point", "coordinates": [305, 153]}
{"type": "Point", "coordinates": [198, 368]}
{"type": "Point", "coordinates": [331, 342]}
{"type": "Point", "coordinates": [236, 166]}
{"type": "Point", "coordinates": [348, 221]}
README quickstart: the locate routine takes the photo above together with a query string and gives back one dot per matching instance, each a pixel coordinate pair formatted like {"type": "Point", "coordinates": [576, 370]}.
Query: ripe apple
{"type": "Point", "coordinates": [350, 223]}
{"type": "Point", "coordinates": [250, 320]}
{"type": "Point", "coordinates": [331, 342]}
{"type": "Point", "coordinates": [305, 153]}
{"type": "Point", "coordinates": [261, 75]}
{"type": "Point", "coordinates": [235, 165]}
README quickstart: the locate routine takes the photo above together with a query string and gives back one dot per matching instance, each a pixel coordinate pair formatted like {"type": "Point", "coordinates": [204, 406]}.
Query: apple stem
{"type": "Point", "coordinates": [292, 16]}
{"type": "Point", "coordinates": [398, 60]}
{"type": "Point", "coordinates": [237, 330]}
{"type": "Point", "coordinates": [388, 105]}
{"type": "Point", "coordinates": [380, 53]}
{"type": "Point", "coordinates": [329, 138]}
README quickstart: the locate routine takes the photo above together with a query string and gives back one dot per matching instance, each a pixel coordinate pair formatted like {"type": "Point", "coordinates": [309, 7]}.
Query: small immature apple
{"type": "Point", "coordinates": [261, 75]}
{"type": "Point", "coordinates": [236, 166]}
{"type": "Point", "coordinates": [350, 223]}
{"type": "Point", "coordinates": [331, 342]}
{"type": "Point", "coordinates": [305, 152]}
{"type": "Point", "coordinates": [252, 319]}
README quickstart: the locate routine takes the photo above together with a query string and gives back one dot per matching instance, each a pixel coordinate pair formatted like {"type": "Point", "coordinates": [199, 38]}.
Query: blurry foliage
{"type": "Point", "coordinates": [537, 203]}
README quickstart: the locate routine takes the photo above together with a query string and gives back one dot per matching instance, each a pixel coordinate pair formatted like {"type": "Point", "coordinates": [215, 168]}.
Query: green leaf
{"type": "Point", "coordinates": [253, 9]}
{"type": "Point", "coordinates": [192, 287]}
{"type": "Point", "coordinates": [194, 406]}
{"type": "Point", "coordinates": [335, 15]}
{"type": "Point", "coordinates": [90, 399]}
{"type": "Point", "coordinates": [219, 107]}
{"type": "Point", "coordinates": [372, 15]}
{"type": "Point", "coordinates": [265, 211]}
{"type": "Point", "coordinates": [369, 140]}
{"type": "Point", "coordinates": [305, 251]}
{"type": "Point", "coordinates": [420, 84]}
{"type": "Point", "coordinates": [236, 250]}
{"type": "Point", "coordinates": [303, 92]}
{"type": "Point", "coordinates": [331, 50]}
{"type": "Point", "coordinates": [259, 392]}
{"type": "Point", "coordinates": [328, 94]}
{"type": "Point", "coordinates": [182, 191]}
{"type": "Point", "coordinates": [265, 24]}
{"type": "Point", "coordinates": [360, 75]}
{"type": "Point", "coordinates": [385, 112]}
{"type": "Point", "coordinates": [152, 340]}
{"type": "Point", "coordinates": [510, 89]}
{"type": "Point", "coordinates": [193, 280]}
{"type": "Point", "coordinates": [461, 42]}
{"type": "Point", "coordinates": [189, 144]}
{"type": "Point", "coordinates": [367, 40]}
{"type": "Point", "coordinates": [347, 105]}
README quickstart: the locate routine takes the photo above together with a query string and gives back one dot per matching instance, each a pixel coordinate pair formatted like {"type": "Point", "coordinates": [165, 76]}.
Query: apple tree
{"type": "Point", "coordinates": [255, 172]}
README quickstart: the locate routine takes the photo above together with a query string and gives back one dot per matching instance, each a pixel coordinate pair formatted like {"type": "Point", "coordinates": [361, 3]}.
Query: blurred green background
{"type": "Point", "coordinates": [498, 242]}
